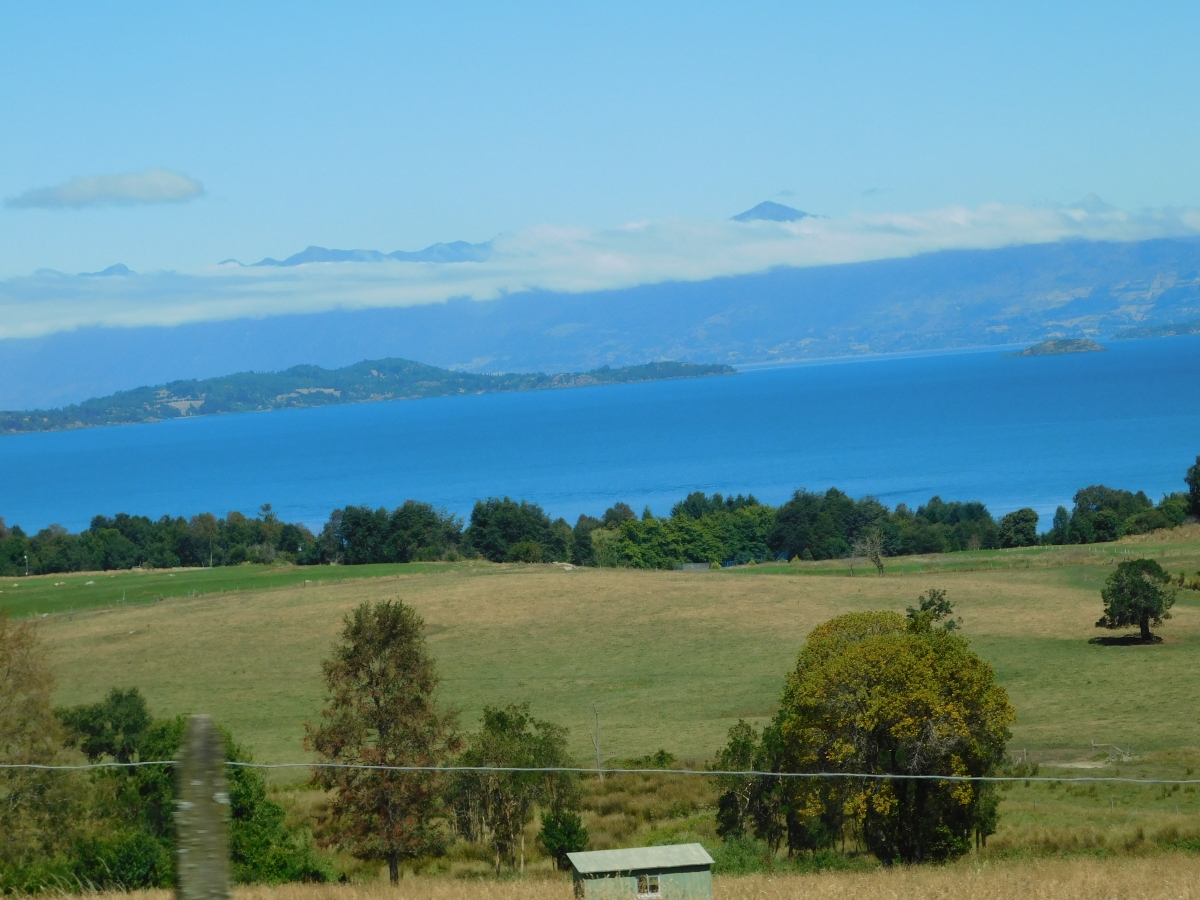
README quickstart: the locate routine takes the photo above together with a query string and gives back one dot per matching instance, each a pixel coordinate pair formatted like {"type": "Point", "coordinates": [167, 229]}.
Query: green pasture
{"type": "Point", "coordinates": [1088, 559]}
{"type": "Point", "coordinates": [48, 594]}
{"type": "Point", "coordinates": [75, 592]}
{"type": "Point", "coordinates": [670, 659]}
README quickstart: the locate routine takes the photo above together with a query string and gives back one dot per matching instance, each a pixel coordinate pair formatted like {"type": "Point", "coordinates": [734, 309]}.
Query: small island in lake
{"type": "Point", "coordinates": [1060, 346]}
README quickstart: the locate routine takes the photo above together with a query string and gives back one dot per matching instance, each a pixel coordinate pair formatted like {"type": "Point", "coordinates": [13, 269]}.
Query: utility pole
{"type": "Point", "coordinates": [596, 742]}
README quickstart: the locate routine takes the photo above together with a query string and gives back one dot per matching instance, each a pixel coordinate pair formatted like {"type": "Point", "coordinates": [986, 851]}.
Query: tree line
{"type": "Point", "coordinates": [699, 529]}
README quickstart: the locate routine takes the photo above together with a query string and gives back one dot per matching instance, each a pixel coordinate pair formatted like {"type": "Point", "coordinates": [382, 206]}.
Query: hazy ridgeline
{"type": "Point", "coordinates": [699, 529]}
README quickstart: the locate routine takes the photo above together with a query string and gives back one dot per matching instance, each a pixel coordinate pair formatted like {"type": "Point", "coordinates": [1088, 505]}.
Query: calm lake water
{"type": "Point", "coordinates": [967, 426]}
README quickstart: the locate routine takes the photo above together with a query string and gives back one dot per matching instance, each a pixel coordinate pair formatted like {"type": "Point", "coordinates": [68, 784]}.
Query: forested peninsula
{"type": "Point", "coordinates": [304, 386]}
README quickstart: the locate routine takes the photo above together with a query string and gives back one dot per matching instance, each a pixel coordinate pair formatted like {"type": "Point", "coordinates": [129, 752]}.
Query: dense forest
{"type": "Point", "coordinates": [304, 386]}
{"type": "Point", "coordinates": [699, 529]}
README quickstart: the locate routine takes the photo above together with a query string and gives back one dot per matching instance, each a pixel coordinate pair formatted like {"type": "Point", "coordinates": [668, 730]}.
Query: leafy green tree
{"type": "Point", "coordinates": [129, 827]}
{"type": "Point", "coordinates": [1192, 479]}
{"type": "Point", "coordinates": [736, 535]}
{"type": "Point", "coordinates": [826, 526]}
{"type": "Point", "coordinates": [617, 513]}
{"type": "Point", "coordinates": [583, 550]}
{"type": "Point", "coordinates": [380, 711]}
{"type": "Point", "coordinates": [1137, 594]}
{"type": "Point", "coordinates": [360, 535]}
{"type": "Point", "coordinates": [932, 607]}
{"type": "Point", "coordinates": [36, 809]}
{"type": "Point", "coordinates": [940, 527]}
{"type": "Point", "coordinates": [1106, 526]}
{"type": "Point", "coordinates": [768, 807]}
{"type": "Point", "coordinates": [207, 532]}
{"type": "Point", "coordinates": [697, 505]}
{"type": "Point", "coordinates": [561, 833]}
{"type": "Point", "coordinates": [502, 803]}
{"type": "Point", "coordinates": [525, 551]}
{"type": "Point", "coordinates": [1101, 512]}
{"type": "Point", "coordinates": [1173, 508]}
{"type": "Point", "coordinates": [1060, 530]}
{"type": "Point", "coordinates": [14, 546]}
{"type": "Point", "coordinates": [879, 694]}
{"type": "Point", "coordinates": [560, 539]}
{"type": "Point", "coordinates": [262, 848]}
{"type": "Point", "coordinates": [737, 792]}
{"type": "Point", "coordinates": [364, 535]}
{"type": "Point", "coordinates": [497, 524]}
{"type": "Point", "coordinates": [1018, 528]}
{"type": "Point", "coordinates": [112, 728]}
{"type": "Point", "coordinates": [421, 532]}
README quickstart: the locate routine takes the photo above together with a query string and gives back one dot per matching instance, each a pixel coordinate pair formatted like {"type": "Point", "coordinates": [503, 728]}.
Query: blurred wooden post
{"type": "Point", "coordinates": [202, 815]}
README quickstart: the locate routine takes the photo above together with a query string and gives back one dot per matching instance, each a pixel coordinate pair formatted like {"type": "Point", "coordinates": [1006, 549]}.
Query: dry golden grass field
{"type": "Point", "coordinates": [1165, 877]}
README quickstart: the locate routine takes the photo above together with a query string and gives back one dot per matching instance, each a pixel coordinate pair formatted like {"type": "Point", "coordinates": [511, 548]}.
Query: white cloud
{"type": "Point", "coordinates": [150, 186]}
{"type": "Point", "coordinates": [554, 259]}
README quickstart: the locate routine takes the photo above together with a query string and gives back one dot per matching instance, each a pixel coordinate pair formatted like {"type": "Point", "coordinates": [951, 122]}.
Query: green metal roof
{"type": "Point", "coordinates": [672, 856]}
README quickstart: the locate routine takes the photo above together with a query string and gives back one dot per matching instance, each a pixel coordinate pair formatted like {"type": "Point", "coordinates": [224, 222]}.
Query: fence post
{"type": "Point", "coordinates": [202, 815]}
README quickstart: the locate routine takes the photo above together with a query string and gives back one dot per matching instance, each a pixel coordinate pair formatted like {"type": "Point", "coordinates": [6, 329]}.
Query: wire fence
{"type": "Point", "coordinates": [710, 773]}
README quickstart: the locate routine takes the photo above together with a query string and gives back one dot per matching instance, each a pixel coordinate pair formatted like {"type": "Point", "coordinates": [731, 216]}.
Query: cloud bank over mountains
{"type": "Point", "coordinates": [570, 260]}
{"type": "Point", "coordinates": [130, 189]}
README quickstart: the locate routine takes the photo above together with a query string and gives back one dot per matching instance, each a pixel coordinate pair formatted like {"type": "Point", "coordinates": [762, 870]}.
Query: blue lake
{"type": "Point", "coordinates": [967, 426]}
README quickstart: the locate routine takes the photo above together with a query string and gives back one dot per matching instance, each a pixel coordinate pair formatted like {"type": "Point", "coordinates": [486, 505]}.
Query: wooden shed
{"type": "Point", "coordinates": [674, 872]}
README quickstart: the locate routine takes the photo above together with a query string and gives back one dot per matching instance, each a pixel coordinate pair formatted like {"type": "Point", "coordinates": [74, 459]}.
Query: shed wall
{"type": "Point", "coordinates": [680, 885]}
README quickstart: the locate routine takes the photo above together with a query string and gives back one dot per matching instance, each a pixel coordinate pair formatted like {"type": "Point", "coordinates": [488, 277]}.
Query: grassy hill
{"type": "Point", "coordinates": [303, 386]}
{"type": "Point", "coordinates": [671, 659]}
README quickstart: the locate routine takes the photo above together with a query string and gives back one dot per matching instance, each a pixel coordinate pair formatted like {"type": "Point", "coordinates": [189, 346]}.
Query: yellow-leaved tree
{"type": "Point", "coordinates": [880, 694]}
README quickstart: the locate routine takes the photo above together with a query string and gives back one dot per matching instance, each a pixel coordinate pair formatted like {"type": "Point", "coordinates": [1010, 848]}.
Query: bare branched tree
{"type": "Point", "coordinates": [870, 546]}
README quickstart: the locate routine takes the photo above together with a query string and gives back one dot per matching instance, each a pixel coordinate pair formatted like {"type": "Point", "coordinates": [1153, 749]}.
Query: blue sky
{"type": "Point", "coordinates": [393, 126]}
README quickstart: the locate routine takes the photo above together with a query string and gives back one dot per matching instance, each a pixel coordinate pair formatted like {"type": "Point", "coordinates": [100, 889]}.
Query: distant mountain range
{"type": "Point", "coordinates": [304, 386]}
{"type": "Point", "coordinates": [456, 251]}
{"type": "Point", "coordinates": [936, 301]}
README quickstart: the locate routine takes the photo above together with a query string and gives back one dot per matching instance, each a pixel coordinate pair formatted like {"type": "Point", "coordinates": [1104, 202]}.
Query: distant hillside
{"type": "Point", "coordinates": [1153, 331]}
{"type": "Point", "coordinates": [1059, 347]}
{"type": "Point", "coordinates": [937, 301]}
{"type": "Point", "coordinates": [304, 386]}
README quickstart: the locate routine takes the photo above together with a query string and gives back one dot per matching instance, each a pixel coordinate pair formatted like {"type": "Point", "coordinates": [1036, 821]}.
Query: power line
{"type": "Point", "coordinates": [545, 770]}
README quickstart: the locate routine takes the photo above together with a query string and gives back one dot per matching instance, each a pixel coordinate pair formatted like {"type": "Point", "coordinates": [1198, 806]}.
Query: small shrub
{"type": "Point", "coordinates": [526, 552]}
{"type": "Point", "coordinates": [742, 856]}
{"type": "Point", "coordinates": [124, 861]}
